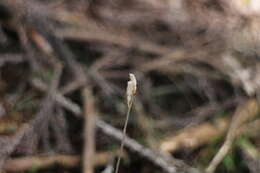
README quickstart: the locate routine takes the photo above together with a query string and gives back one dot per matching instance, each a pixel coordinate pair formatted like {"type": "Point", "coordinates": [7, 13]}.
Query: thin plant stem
{"type": "Point", "coordinates": [124, 135]}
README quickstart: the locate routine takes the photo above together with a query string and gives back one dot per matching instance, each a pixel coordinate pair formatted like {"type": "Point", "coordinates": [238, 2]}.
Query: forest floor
{"type": "Point", "coordinates": [64, 68]}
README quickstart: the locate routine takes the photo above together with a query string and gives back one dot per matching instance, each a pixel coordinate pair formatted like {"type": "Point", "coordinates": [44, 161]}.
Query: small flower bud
{"type": "Point", "coordinates": [131, 89]}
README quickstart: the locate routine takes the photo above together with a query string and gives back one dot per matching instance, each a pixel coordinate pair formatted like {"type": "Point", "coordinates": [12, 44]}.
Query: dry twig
{"type": "Point", "coordinates": [243, 113]}
{"type": "Point", "coordinates": [89, 131]}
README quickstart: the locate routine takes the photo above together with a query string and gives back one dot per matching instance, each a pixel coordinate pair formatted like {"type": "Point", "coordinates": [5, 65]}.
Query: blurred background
{"type": "Point", "coordinates": [64, 67]}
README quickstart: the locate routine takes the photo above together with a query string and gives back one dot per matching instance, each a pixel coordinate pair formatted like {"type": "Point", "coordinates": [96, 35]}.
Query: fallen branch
{"type": "Point", "coordinates": [196, 136]}
{"type": "Point", "coordinates": [112, 38]}
{"type": "Point", "coordinates": [11, 58]}
{"type": "Point", "coordinates": [41, 162]}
